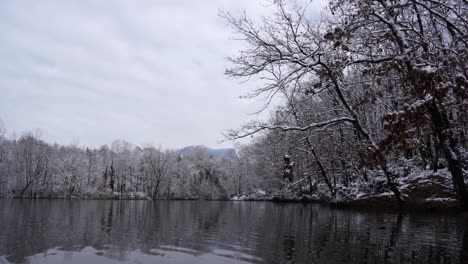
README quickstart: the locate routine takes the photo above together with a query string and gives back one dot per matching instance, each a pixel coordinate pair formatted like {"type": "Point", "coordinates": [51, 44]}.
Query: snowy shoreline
{"type": "Point", "coordinates": [426, 190]}
{"type": "Point", "coordinates": [375, 202]}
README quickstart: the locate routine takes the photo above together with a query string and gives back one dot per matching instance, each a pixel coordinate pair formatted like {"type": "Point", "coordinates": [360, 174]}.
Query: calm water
{"type": "Point", "coordinates": [58, 231]}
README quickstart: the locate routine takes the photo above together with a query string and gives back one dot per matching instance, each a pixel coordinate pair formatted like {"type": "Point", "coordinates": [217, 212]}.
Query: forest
{"type": "Point", "coordinates": [374, 95]}
{"type": "Point", "coordinates": [367, 104]}
{"type": "Point", "coordinates": [32, 168]}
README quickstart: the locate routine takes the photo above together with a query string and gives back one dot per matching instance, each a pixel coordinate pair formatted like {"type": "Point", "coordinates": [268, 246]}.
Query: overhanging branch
{"type": "Point", "coordinates": [255, 128]}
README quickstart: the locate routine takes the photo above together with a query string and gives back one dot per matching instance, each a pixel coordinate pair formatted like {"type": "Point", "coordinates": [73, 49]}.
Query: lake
{"type": "Point", "coordinates": [92, 231]}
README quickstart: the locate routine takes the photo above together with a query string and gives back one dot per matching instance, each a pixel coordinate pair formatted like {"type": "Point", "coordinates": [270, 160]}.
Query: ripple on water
{"type": "Point", "coordinates": [222, 232]}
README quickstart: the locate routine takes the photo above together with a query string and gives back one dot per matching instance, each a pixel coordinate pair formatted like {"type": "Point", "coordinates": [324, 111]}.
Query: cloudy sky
{"type": "Point", "coordinates": [143, 71]}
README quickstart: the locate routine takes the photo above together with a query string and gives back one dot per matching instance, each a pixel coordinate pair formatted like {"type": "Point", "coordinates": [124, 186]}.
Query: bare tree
{"type": "Point", "coordinates": [33, 161]}
{"type": "Point", "coordinates": [291, 52]}
{"type": "Point", "coordinates": [378, 68]}
{"type": "Point", "coordinates": [157, 165]}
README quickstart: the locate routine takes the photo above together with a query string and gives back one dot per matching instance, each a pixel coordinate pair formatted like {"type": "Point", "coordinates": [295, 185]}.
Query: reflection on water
{"type": "Point", "coordinates": [58, 231]}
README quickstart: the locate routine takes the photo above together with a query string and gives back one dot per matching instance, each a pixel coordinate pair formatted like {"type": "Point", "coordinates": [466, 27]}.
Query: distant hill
{"type": "Point", "coordinates": [227, 153]}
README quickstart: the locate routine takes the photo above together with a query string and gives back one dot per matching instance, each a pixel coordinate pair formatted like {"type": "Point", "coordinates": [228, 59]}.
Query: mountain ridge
{"type": "Point", "coordinates": [215, 153]}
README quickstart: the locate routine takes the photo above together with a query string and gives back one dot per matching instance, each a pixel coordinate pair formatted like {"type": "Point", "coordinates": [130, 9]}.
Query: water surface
{"type": "Point", "coordinates": [67, 231]}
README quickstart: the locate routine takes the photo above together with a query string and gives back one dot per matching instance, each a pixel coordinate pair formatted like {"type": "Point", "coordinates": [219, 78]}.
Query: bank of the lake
{"type": "Point", "coordinates": [423, 191]}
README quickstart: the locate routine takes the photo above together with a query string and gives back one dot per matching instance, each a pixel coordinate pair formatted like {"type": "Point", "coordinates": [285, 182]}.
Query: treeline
{"type": "Point", "coordinates": [30, 167]}
{"type": "Point", "coordinates": [371, 90]}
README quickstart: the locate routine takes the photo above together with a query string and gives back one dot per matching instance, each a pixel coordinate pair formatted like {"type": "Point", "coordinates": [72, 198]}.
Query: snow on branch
{"type": "Point", "coordinates": [255, 127]}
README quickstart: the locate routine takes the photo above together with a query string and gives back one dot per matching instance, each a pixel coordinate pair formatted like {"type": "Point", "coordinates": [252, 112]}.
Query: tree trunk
{"type": "Point", "coordinates": [25, 189]}
{"type": "Point", "coordinates": [322, 169]}
{"type": "Point", "coordinates": [393, 187]}
{"type": "Point", "coordinates": [360, 129]}
{"type": "Point", "coordinates": [156, 190]}
{"type": "Point", "coordinates": [449, 149]}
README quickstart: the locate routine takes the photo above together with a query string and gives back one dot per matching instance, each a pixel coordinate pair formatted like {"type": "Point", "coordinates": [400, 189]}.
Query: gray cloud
{"type": "Point", "coordinates": [143, 71]}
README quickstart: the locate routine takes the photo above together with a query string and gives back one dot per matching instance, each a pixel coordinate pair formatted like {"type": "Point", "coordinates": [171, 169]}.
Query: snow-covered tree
{"type": "Point", "coordinates": [367, 80]}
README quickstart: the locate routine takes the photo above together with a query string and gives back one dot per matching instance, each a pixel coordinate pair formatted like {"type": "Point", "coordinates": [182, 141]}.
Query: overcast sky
{"type": "Point", "coordinates": [143, 71]}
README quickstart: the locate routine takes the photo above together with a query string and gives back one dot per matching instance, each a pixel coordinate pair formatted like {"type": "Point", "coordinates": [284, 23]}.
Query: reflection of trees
{"type": "Point", "coordinates": [289, 248]}
{"type": "Point", "coordinates": [464, 243]}
{"type": "Point", "coordinates": [276, 233]}
{"type": "Point", "coordinates": [396, 229]}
